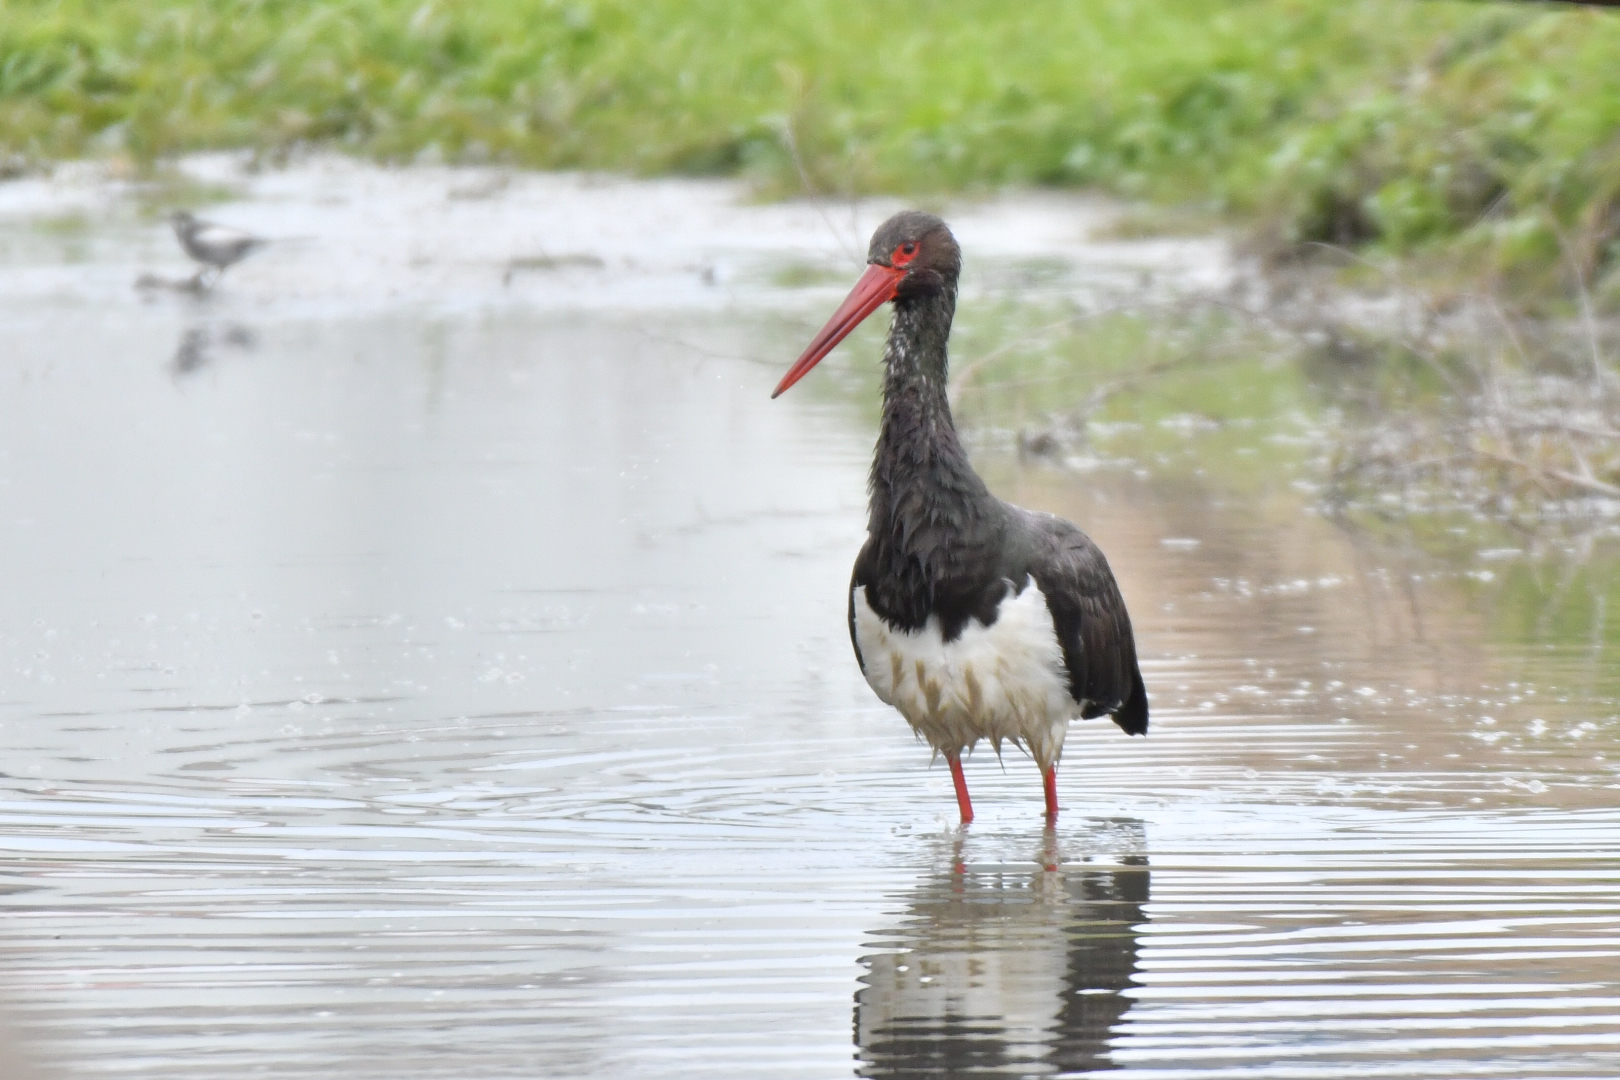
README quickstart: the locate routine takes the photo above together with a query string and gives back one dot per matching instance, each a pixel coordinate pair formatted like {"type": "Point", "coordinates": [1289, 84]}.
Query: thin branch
{"type": "Point", "coordinates": [964, 374]}
{"type": "Point", "coordinates": [1600, 372]}
{"type": "Point", "coordinates": [1585, 483]}
{"type": "Point", "coordinates": [1405, 290]}
{"type": "Point", "coordinates": [810, 188]}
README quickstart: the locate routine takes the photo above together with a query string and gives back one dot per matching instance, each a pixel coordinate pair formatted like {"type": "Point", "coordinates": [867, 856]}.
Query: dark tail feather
{"type": "Point", "coordinates": [1132, 716]}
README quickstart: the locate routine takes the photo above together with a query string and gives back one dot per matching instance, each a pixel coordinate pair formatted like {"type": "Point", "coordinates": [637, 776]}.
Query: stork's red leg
{"type": "Point", "coordinates": [963, 803]}
{"type": "Point", "coordinates": [1051, 793]}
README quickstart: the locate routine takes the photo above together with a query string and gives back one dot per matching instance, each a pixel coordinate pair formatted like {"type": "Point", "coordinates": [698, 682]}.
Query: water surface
{"type": "Point", "coordinates": [459, 687]}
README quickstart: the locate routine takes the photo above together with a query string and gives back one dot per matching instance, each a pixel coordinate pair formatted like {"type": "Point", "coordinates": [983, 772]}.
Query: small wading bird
{"type": "Point", "coordinates": [215, 246]}
{"type": "Point", "coordinates": [974, 618]}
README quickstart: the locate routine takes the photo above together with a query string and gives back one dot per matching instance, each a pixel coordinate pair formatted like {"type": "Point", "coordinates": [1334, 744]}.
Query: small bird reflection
{"type": "Point", "coordinates": [199, 345]}
{"type": "Point", "coordinates": [1013, 969]}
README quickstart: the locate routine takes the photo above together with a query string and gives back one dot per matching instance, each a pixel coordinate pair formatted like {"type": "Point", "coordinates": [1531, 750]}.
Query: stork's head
{"type": "Point", "coordinates": [912, 254]}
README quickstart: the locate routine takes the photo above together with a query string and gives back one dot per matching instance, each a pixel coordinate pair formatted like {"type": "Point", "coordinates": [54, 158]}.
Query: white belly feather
{"type": "Point", "coordinates": [1000, 682]}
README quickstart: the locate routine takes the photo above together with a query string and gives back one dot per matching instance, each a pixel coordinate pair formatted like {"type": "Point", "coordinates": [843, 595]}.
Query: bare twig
{"type": "Point", "coordinates": [1600, 372]}
{"type": "Point", "coordinates": [810, 188]}
{"type": "Point", "coordinates": [1431, 315]}
{"type": "Point", "coordinates": [1597, 487]}
{"type": "Point", "coordinates": [962, 376]}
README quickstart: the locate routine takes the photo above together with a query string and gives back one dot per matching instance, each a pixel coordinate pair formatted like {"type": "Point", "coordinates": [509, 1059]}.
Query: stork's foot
{"type": "Point", "coordinates": [1051, 794]}
{"type": "Point", "coordinates": [963, 803]}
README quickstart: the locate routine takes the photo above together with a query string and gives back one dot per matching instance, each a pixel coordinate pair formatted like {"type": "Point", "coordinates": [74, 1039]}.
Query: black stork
{"type": "Point", "coordinates": [976, 619]}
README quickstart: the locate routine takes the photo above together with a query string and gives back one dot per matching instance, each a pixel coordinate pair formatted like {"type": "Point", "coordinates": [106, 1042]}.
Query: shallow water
{"type": "Point", "coordinates": [459, 687]}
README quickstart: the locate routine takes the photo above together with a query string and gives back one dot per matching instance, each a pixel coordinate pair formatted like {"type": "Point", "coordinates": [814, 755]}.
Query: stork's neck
{"type": "Point", "coordinates": [920, 474]}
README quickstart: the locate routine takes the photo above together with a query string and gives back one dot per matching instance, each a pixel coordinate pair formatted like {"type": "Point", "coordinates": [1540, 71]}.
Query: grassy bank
{"type": "Point", "coordinates": [1486, 133]}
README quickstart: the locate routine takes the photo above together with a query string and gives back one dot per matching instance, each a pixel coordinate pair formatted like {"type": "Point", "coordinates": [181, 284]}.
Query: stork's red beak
{"type": "Point", "coordinates": [876, 288]}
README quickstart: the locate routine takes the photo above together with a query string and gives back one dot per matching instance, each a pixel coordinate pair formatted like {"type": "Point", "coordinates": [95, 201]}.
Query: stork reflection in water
{"type": "Point", "coordinates": [1008, 968]}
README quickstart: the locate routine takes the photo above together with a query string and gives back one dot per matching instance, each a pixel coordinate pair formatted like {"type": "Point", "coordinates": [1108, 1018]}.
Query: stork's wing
{"type": "Point", "coordinates": [1092, 624]}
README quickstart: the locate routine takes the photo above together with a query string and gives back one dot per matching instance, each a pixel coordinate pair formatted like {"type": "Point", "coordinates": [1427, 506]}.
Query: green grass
{"type": "Point", "coordinates": [1486, 133]}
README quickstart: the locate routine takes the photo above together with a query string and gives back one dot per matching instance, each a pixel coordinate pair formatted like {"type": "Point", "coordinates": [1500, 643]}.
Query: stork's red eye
{"type": "Point", "coordinates": [903, 254]}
